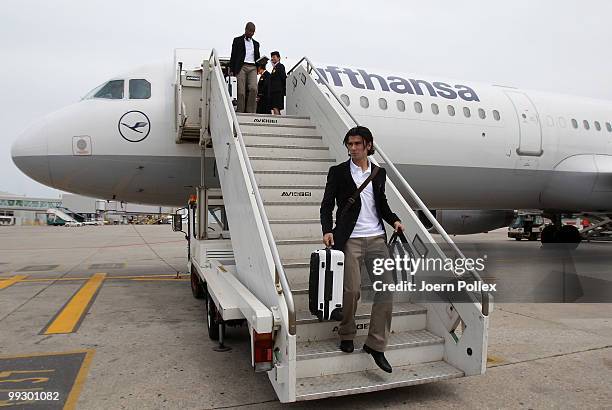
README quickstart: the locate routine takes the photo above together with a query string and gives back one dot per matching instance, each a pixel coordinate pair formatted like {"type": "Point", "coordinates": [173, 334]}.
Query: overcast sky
{"type": "Point", "coordinates": [53, 52]}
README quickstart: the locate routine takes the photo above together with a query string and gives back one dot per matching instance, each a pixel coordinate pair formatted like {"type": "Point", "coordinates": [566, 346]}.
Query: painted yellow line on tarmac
{"type": "Point", "coordinates": [142, 277]}
{"type": "Point", "coordinates": [5, 283]}
{"type": "Point", "coordinates": [71, 315]}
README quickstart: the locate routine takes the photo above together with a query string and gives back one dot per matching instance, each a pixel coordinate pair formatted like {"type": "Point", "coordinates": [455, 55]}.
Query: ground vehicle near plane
{"type": "Point", "coordinates": [526, 227]}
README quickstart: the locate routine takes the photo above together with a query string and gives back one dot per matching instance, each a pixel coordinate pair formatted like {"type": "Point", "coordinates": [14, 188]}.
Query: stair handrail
{"type": "Point", "coordinates": [280, 272]}
{"type": "Point", "coordinates": [485, 296]}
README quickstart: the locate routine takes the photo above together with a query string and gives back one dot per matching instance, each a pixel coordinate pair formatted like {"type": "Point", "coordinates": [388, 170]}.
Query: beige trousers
{"type": "Point", "coordinates": [356, 252]}
{"type": "Point", "coordinates": [247, 89]}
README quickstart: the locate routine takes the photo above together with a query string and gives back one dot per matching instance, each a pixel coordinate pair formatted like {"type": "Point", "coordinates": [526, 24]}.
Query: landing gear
{"type": "Point", "coordinates": [548, 234]}
{"type": "Point", "coordinates": [566, 234]}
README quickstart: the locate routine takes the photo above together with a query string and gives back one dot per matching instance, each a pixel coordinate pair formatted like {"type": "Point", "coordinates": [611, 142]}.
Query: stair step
{"type": "Point", "coordinates": [330, 347]}
{"type": "Point", "coordinates": [280, 210]}
{"type": "Point", "coordinates": [298, 248]}
{"type": "Point", "coordinates": [280, 150]}
{"type": "Point", "coordinates": [406, 317]}
{"type": "Point", "coordinates": [300, 292]}
{"type": "Point", "coordinates": [324, 357]}
{"type": "Point", "coordinates": [288, 139]}
{"type": "Point", "coordinates": [297, 272]}
{"type": "Point", "coordinates": [297, 163]}
{"type": "Point", "coordinates": [292, 194]}
{"type": "Point", "coordinates": [267, 119]}
{"type": "Point", "coordinates": [285, 177]}
{"type": "Point", "coordinates": [311, 388]}
{"type": "Point", "coordinates": [279, 129]}
{"type": "Point", "coordinates": [295, 229]}
{"type": "Point", "coordinates": [363, 312]}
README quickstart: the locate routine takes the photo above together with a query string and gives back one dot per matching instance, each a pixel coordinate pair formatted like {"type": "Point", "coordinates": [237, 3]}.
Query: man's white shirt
{"type": "Point", "coordinates": [368, 223]}
{"type": "Point", "coordinates": [250, 51]}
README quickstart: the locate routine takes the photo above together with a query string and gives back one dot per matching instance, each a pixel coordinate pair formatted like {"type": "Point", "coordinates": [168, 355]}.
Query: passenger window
{"type": "Point", "coordinates": [496, 115]}
{"type": "Point", "coordinates": [435, 109]}
{"type": "Point", "coordinates": [363, 101]}
{"type": "Point", "coordinates": [401, 106]}
{"type": "Point", "coordinates": [451, 110]}
{"type": "Point", "coordinates": [574, 123]}
{"type": "Point", "coordinates": [597, 126]}
{"type": "Point", "coordinates": [609, 127]}
{"type": "Point", "coordinates": [466, 112]}
{"type": "Point", "coordinates": [562, 122]}
{"type": "Point", "coordinates": [418, 107]}
{"type": "Point", "coordinates": [345, 99]}
{"type": "Point", "coordinates": [481, 114]}
{"type": "Point", "coordinates": [586, 125]}
{"type": "Point", "coordinates": [112, 90]}
{"type": "Point", "coordinates": [382, 103]}
{"type": "Point", "coordinates": [140, 89]}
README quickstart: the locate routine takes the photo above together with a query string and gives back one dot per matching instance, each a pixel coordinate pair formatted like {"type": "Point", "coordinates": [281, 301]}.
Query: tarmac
{"type": "Point", "coordinates": [104, 317]}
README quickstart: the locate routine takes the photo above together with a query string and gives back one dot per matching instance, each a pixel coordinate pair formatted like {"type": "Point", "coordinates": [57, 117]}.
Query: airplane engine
{"type": "Point", "coordinates": [465, 222]}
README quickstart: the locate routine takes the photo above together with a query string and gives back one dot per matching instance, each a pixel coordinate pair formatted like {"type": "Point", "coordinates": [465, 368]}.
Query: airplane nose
{"type": "Point", "coordinates": [29, 153]}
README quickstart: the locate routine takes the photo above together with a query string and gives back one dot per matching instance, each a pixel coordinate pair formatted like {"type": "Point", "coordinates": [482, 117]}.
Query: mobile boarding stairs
{"type": "Point", "coordinates": [272, 172]}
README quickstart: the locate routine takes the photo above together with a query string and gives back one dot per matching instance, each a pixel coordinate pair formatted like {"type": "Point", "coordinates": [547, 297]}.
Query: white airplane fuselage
{"type": "Point", "coordinates": [533, 156]}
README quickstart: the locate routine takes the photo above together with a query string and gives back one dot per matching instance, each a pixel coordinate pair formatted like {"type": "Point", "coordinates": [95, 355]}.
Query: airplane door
{"type": "Point", "coordinates": [530, 138]}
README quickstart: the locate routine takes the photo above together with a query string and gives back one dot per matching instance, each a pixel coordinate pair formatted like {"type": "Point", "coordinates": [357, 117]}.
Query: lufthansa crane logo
{"type": "Point", "coordinates": [134, 126]}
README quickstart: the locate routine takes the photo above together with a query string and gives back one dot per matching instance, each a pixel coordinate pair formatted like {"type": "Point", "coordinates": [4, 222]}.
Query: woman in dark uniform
{"type": "Point", "coordinates": [263, 87]}
{"type": "Point", "coordinates": [278, 80]}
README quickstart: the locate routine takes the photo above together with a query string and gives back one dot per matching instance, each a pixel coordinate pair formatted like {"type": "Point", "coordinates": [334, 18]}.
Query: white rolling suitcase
{"type": "Point", "coordinates": [325, 285]}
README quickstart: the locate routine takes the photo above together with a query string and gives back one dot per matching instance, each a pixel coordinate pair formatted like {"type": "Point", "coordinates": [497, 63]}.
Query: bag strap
{"type": "Point", "coordinates": [353, 198]}
{"type": "Point", "coordinates": [398, 235]}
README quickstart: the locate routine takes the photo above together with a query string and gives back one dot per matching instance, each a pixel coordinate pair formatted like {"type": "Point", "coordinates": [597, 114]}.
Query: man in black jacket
{"type": "Point", "coordinates": [245, 52]}
{"type": "Point", "coordinates": [278, 84]}
{"type": "Point", "coordinates": [360, 234]}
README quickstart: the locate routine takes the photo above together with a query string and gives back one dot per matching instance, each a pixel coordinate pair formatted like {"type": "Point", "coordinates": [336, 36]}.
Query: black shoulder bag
{"type": "Point", "coordinates": [353, 198]}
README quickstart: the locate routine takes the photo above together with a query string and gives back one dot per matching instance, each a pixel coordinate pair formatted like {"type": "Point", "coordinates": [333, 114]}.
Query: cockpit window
{"type": "Point", "coordinates": [140, 89]}
{"type": "Point", "coordinates": [112, 90]}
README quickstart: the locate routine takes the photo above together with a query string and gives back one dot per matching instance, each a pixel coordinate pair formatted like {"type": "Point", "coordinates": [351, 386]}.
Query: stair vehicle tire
{"type": "Point", "coordinates": [197, 290]}
{"type": "Point", "coordinates": [212, 318]}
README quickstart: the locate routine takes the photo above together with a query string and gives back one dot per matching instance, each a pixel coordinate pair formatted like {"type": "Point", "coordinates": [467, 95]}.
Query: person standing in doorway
{"type": "Point", "coordinates": [278, 84]}
{"type": "Point", "coordinates": [245, 52]}
{"type": "Point", "coordinates": [360, 234]}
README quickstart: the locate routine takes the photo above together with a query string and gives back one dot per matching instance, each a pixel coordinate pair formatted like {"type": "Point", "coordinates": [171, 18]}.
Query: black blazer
{"type": "Point", "coordinates": [339, 188]}
{"type": "Point", "coordinates": [278, 80]}
{"type": "Point", "coordinates": [239, 52]}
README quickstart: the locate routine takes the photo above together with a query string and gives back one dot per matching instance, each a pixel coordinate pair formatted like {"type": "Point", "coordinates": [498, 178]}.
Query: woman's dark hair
{"type": "Point", "coordinates": [364, 133]}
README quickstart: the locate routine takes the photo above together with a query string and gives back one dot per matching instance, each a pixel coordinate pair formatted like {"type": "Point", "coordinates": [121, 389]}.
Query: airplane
{"type": "Point", "coordinates": [473, 152]}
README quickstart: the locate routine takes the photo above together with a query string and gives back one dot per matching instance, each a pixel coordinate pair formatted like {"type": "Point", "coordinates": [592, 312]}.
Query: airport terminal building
{"type": "Point", "coordinates": [23, 210]}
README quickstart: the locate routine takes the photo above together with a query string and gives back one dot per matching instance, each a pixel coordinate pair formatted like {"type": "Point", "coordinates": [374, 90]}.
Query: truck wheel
{"type": "Point", "coordinates": [517, 238]}
{"type": "Point", "coordinates": [196, 287]}
{"type": "Point", "coordinates": [533, 237]}
{"type": "Point", "coordinates": [212, 318]}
